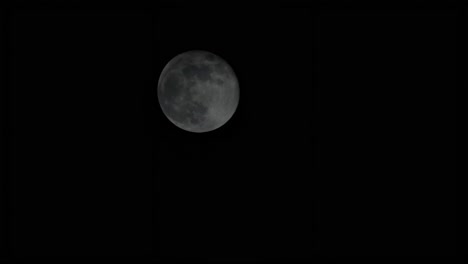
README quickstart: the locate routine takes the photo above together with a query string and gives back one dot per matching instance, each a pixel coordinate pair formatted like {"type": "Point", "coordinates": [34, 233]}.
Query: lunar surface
{"type": "Point", "coordinates": [198, 91]}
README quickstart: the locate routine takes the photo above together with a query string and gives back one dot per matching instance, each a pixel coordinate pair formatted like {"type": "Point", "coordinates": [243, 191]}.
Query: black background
{"type": "Point", "coordinates": [343, 142]}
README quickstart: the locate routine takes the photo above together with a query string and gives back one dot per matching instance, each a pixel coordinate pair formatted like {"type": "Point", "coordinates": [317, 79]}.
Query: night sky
{"type": "Point", "coordinates": [343, 142]}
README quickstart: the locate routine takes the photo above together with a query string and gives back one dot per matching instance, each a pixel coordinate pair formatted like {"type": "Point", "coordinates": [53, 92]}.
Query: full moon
{"type": "Point", "coordinates": [198, 91]}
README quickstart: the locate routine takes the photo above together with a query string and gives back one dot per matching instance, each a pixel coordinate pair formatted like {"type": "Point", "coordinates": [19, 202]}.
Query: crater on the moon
{"type": "Point", "coordinates": [198, 91]}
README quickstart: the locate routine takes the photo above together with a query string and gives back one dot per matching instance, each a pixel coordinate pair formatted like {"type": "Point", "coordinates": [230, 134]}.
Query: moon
{"type": "Point", "coordinates": [198, 91]}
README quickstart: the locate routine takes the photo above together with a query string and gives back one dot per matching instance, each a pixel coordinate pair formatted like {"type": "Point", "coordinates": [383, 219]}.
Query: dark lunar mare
{"type": "Point", "coordinates": [177, 116]}
{"type": "Point", "coordinates": [210, 57]}
{"type": "Point", "coordinates": [196, 112]}
{"type": "Point", "coordinates": [173, 87]}
{"type": "Point", "coordinates": [190, 111]}
{"type": "Point", "coordinates": [202, 72]}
